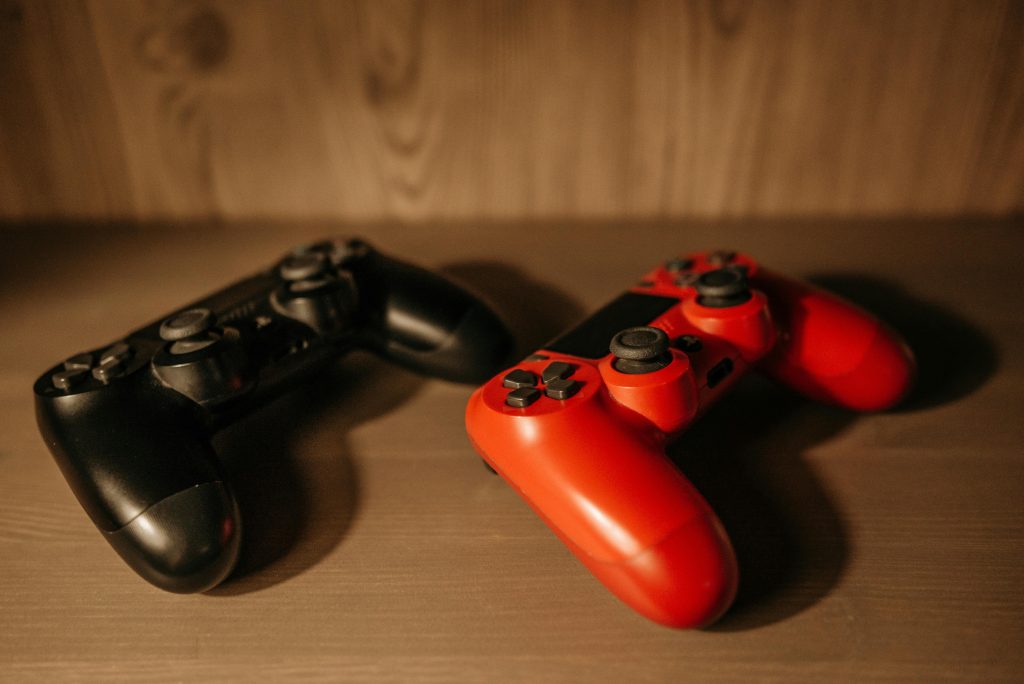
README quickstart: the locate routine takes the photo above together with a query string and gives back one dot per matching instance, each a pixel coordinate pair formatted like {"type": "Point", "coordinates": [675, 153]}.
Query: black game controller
{"type": "Point", "coordinates": [130, 424]}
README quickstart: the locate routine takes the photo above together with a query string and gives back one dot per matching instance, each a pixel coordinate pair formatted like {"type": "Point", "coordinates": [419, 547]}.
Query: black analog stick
{"type": "Point", "coordinates": [640, 350]}
{"type": "Point", "coordinates": [303, 266]}
{"type": "Point", "coordinates": [722, 288]}
{"type": "Point", "coordinates": [186, 324]}
{"type": "Point", "coordinates": [639, 344]}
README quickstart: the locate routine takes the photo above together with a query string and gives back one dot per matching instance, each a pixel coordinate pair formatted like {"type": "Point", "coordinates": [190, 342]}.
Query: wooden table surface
{"type": "Point", "coordinates": [882, 547]}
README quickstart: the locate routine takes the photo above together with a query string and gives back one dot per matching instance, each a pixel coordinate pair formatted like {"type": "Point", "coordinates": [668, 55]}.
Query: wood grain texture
{"type": "Point", "coordinates": [873, 548]}
{"type": "Point", "coordinates": [474, 110]}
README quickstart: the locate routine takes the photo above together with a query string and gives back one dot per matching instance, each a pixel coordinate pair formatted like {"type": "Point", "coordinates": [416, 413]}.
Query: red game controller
{"type": "Point", "coordinates": [579, 428]}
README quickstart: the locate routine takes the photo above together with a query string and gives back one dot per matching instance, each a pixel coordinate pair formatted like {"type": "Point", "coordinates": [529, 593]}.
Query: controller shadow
{"type": "Point", "coordinates": [293, 472]}
{"type": "Point", "coordinates": [954, 357]}
{"type": "Point", "coordinates": [534, 310]}
{"type": "Point", "coordinates": [791, 541]}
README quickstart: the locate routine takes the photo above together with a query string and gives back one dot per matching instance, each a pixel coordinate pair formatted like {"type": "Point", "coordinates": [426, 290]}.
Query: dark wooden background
{"type": "Point", "coordinates": [513, 110]}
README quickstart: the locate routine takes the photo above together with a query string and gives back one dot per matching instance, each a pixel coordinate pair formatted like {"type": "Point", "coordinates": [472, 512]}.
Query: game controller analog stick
{"type": "Point", "coordinates": [186, 324]}
{"type": "Point", "coordinates": [304, 266]}
{"type": "Point", "coordinates": [592, 462]}
{"type": "Point", "coordinates": [640, 349]}
{"type": "Point", "coordinates": [130, 424]}
{"type": "Point", "coordinates": [722, 288]}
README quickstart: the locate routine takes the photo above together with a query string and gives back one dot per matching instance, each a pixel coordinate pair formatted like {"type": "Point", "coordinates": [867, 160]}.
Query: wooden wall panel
{"type": "Point", "coordinates": [476, 110]}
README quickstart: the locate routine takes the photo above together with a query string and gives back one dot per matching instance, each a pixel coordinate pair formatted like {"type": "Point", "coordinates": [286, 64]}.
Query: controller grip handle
{"type": "Point", "coordinates": [607, 489]}
{"type": "Point", "coordinates": [149, 482]}
{"type": "Point", "coordinates": [429, 324]}
{"type": "Point", "coordinates": [833, 351]}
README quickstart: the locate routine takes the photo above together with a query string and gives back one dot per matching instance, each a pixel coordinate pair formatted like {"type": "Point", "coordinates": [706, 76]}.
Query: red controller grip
{"type": "Point", "coordinates": [833, 351]}
{"type": "Point", "coordinates": [602, 482]}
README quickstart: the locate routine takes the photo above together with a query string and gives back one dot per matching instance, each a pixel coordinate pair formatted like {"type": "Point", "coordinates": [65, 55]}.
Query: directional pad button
{"type": "Point", "coordinates": [519, 378]}
{"type": "Point", "coordinates": [557, 371]}
{"type": "Point", "coordinates": [522, 397]}
{"type": "Point", "coordinates": [562, 388]}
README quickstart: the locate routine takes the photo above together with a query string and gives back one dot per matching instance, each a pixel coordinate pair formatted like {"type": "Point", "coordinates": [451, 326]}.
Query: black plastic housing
{"type": "Point", "coordinates": [133, 440]}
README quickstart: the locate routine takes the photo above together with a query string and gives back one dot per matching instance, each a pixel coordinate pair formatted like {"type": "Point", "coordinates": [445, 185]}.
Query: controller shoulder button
{"type": "Point", "coordinates": [562, 388]}
{"type": "Point", "coordinates": [537, 357]}
{"type": "Point", "coordinates": [557, 371]}
{"type": "Point", "coordinates": [519, 378]}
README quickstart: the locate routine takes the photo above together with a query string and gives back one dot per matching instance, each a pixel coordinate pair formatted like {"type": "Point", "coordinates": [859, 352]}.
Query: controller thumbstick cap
{"type": "Point", "coordinates": [722, 288]}
{"type": "Point", "coordinates": [642, 343]}
{"type": "Point", "coordinates": [186, 324]}
{"type": "Point", "coordinates": [303, 266]}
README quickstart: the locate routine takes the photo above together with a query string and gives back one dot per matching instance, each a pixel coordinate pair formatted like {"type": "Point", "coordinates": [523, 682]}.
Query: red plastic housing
{"type": "Point", "coordinates": [593, 465]}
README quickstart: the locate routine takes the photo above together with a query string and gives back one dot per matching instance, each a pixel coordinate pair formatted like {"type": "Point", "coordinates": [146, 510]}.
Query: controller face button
{"type": "Point", "coordinates": [676, 265]}
{"type": "Point", "coordinates": [107, 371]}
{"type": "Point", "coordinates": [562, 388]}
{"type": "Point", "coordinates": [303, 266]}
{"type": "Point", "coordinates": [721, 257]}
{"type": "Point", "coordinates": [537, 357]}
{"type": "Point", "coordinates": [719, 372]}
{"type": "Point", "coordinates": [186, 324]}
{"type": "Point", "coordinates": [519, 378]}
{"type": "Point", "coordinates": [67, 379]}
{"type": "Point", "coordinates": [722, 288]}
{"type": "Point", "coordinates": [79, 362]}
{"type": "Point", "coordinates": [689, 344]}
{"type": "Point", "coordinates": [642, 343]}
{"type": "Point", "coordinates": [557, 371]}
{"type": "Point", "coordinates": [522, 397]}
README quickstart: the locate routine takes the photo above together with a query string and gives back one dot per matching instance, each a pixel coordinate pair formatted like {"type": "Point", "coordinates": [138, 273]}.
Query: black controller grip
{"type": "Point", "coordinates": [150, 482]}
{"type": "Point", "coordinates": [130, 425]}
{"type": "Point", "coordinates": [428, 323]}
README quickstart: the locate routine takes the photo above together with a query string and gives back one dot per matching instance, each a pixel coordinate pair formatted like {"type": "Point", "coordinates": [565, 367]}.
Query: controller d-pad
{"type": "Point", "coordinates": [562, 388]}
{"type": "Point", "coordinates": [105, 372]}
{"type": "Point", "coordinates": [518, 378]}
{"type": "Point", "coordinates": [557, 371]}
{"type": "Point", "coordinates": [67, 379]}
{"type": "Point", "coordinates": [78, 362]}
{"type": "Point", "coordinates": [117, 352]}
{"type": "Point", "coordinates": [522, 397]}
